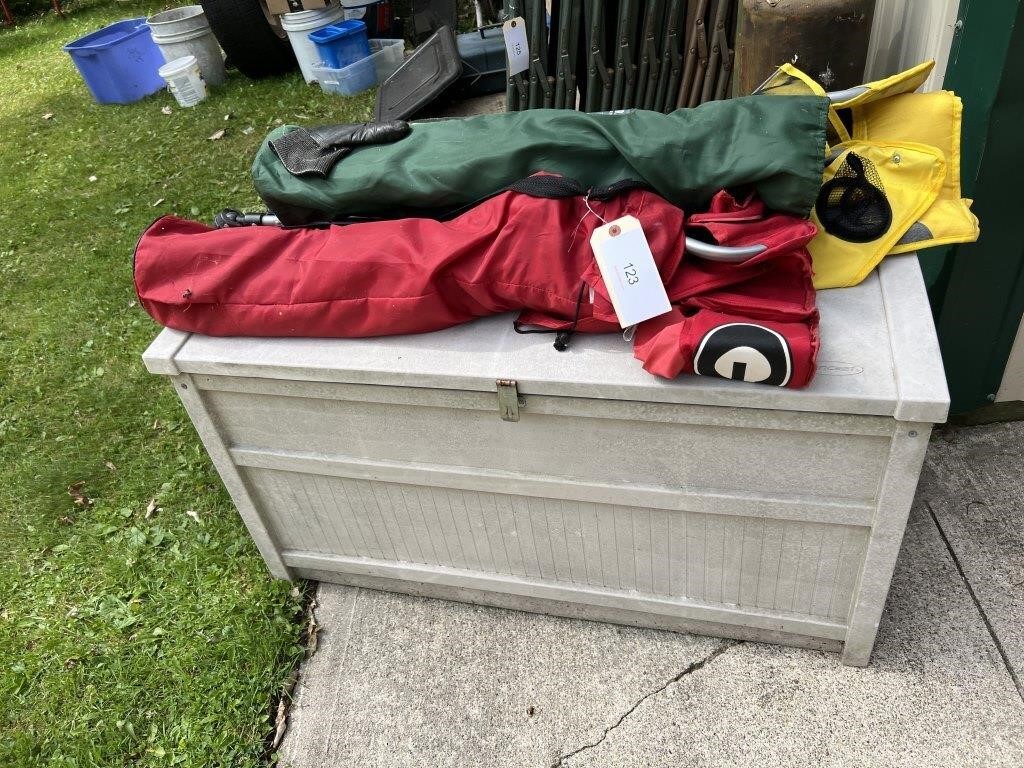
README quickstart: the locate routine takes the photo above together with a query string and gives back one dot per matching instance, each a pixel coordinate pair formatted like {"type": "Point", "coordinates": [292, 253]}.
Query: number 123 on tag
{"type": "Point", "coordinates": [627, 266]}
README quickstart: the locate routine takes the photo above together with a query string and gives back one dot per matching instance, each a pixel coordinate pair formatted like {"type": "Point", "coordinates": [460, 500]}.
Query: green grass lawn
{"type": "Point", "coordinates": [125, 639]}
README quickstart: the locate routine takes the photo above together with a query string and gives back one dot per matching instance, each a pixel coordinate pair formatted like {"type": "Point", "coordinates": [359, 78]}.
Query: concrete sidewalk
{"type": "Point", "coordinates": [404, 681]}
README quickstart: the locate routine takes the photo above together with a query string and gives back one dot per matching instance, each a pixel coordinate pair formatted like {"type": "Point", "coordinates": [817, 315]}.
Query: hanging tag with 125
{"type": "Point", "coordinates": [517, 49]}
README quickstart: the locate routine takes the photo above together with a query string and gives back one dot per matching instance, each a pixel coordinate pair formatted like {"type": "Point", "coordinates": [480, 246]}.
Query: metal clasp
{"type": "Point", "coordinates": [509, 401]}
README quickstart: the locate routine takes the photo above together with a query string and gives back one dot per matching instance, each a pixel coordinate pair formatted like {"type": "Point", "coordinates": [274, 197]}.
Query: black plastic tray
{"type": "Point", "coordinates": [424, 76]}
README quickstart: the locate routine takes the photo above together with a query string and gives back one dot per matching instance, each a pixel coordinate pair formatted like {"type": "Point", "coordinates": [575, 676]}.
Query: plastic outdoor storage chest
{"type": "Point", "coordinates": [119, 63]}
{"type": "Point", "coordinates": [481, 465]}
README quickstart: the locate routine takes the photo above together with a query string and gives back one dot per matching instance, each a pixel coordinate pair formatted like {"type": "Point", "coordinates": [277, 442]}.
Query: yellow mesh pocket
{"type": "Point", "coordinates": [871, 195]}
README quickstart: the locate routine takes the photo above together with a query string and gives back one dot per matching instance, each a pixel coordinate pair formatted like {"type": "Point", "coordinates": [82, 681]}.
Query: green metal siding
{"type": "Point", "coordinates": [977, 289]}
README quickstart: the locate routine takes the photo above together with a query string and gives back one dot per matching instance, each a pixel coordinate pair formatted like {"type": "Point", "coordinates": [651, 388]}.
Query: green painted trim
{"type": "Point", "coordinates": [976, 68]}
{"type": "Point", "coordinates": [978, 288]}
{"type": "Point", "coordinates": [990, 414]}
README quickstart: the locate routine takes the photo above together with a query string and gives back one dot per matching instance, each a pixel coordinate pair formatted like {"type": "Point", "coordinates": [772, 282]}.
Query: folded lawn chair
{"type": "Point", "coordinates": [775, 146]}
{"type": "Point", "coordinates": [671, 57]}
{"type": "Point", "coordinates": [600, 76]}
{"type": "Point", "coordinates": [892, 179]}
{"type": "Point", "coordinates": [569, 24]}
{"type": "Point", "coordinates": [542, 87]}
{"type": "Point", "coordinates": [649, 71]}
{"type": "Point", "coordinates": [695, 51]}
{"type": "Point", "coordinates": [624, 84]}
{"type": "Point", "coordinates": [526, 249]}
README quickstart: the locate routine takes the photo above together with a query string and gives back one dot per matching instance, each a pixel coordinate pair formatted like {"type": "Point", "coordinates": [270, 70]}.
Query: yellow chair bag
{"type": "Point", "coordinates": [934, 119]}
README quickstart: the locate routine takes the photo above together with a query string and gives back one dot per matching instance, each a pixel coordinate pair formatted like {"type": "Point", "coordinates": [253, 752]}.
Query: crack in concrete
{"type": "Point", "coordinates": [977, 603]}
{"type": "Point", "coordinates": [690, 669]}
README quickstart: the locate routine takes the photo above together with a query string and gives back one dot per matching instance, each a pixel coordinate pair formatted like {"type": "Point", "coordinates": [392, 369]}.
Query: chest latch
{"type": "Point", "coordinates": [509, 401]}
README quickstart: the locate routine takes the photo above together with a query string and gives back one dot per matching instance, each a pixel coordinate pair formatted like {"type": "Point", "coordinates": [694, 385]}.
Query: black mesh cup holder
{"type": "Point", "coordinates": [852, 204]}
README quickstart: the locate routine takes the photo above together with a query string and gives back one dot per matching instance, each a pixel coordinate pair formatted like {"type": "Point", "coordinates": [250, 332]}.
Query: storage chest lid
{"type": "Point", "coordinates": [879, 356]}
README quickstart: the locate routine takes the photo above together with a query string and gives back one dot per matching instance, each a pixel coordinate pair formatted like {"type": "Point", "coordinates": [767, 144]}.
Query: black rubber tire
{"type": "Point", "coordinates": [251, 43]}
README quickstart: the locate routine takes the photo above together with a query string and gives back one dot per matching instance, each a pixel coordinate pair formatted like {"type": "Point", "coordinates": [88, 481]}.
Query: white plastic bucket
{"type": "Point", "coordinates": [185, 32]}
{"type": "Point", "coordinates": [184, 80]}
{"type": "Point", "coordinates": [298, 26]}
{"type": "Point", "coordinates": [355, 9]}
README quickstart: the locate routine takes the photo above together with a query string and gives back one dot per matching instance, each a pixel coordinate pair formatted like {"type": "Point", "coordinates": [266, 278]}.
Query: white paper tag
{"type": "Point", "coordinates": [630, 274]}
{"type": "Point", "coordinates": [517, 50]}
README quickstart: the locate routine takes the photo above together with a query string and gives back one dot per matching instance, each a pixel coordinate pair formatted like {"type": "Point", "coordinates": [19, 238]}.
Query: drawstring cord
{"type": "Point", "coordinates": [563, 336]}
